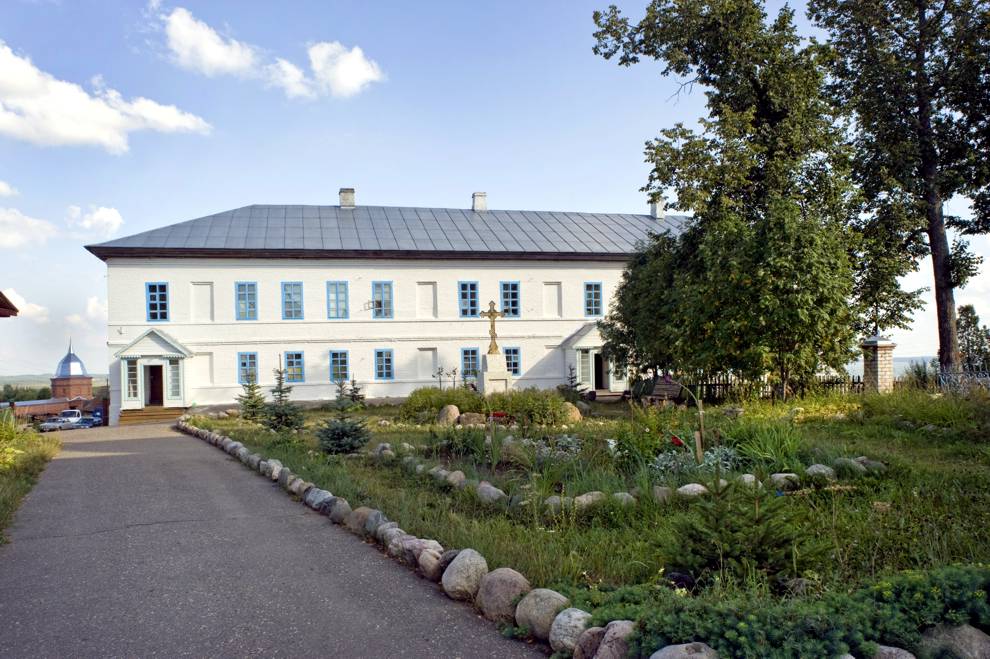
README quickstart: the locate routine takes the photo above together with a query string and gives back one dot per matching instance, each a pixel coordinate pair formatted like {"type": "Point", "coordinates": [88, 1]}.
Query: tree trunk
{"type": "Point", "coordinates": [938, 241]}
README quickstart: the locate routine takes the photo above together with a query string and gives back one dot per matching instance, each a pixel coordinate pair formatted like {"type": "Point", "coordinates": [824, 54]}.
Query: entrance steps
{"type": "Point", "coordinates": [150, 414]}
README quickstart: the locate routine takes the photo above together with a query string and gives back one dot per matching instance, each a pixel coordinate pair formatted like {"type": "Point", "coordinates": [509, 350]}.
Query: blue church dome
{"type": "Point", "coordinates": [70, 365]}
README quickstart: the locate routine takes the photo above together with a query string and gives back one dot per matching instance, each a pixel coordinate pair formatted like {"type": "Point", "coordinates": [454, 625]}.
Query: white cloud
{"type": "Point", "coordinates": [7, 190]}
{"type": "Point", "coordinates": [37, 107]}
{"type": "Point", "coordinates": [95, 315]}
{"type": "Point", "coordinates": [101, 220]}
{"type": "Point", "coordinates": [29, 310]}
{"type": "Point", "coordinates": [335, 69]}
{"type": "Point", "coordinates": [340, 71]}
{"type": "Point", "coordinates": [198, 47]}
{"type": "Point", "coordinates": [17, 229]}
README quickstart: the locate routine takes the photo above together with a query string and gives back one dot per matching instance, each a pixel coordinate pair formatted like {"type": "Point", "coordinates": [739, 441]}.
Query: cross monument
{"type": "Point", "coordinates": [492, 315]}
{"type": "Point", "coordinates": [494, 375]}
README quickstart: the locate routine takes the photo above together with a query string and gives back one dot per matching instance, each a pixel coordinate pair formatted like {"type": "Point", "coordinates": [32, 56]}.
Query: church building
{"type": "Point", "coordinates": [387, 296]}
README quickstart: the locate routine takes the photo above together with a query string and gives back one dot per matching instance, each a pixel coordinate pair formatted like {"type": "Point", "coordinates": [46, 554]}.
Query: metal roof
{"type": "Point", "coordinates": [70, 366]}
{"type": "Point", "coordinates": [272, 231]}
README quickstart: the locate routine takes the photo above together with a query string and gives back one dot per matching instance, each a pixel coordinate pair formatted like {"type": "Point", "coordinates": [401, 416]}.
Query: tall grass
{"type": "Point", "coordinates": [23, 456]}
{"type": "Point", "coordinates": [772, 443]}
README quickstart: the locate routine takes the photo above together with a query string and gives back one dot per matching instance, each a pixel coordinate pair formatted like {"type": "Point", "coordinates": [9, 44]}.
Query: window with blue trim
{"type": "Point", "coordinates": [292, 300]}
{"type": "Point", "coordinates": [384, 365]}
{"type": "Point", "coordinates": [470, 363]}
{"type": "Point", "coordinates": [294, 369]}
{"type": "Point", "coordinates": [157, 300]}
{"type": "Point", "coordinates": [512, 360]}
{"type": "Point", "coordinates": [381, 299]}
{"type": "Point", "coordinates": [336, 300]}
{"type": "Point", "coordinates": [467, 298]}
{"type": "Point", "coordinates": [510, 298]}
{"type": "Point", "coordinates": [247, 367]}
{"type": "Point", "coordinates": [338, 366]}
{"type": "Point", "coordinates": [592, 298]}
{"type": "Point", "coordinates": [246, 300]}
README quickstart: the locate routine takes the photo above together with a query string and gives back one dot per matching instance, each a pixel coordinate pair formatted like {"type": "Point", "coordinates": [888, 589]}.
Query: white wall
{"type": "Point", "coordinates": [211, 374]}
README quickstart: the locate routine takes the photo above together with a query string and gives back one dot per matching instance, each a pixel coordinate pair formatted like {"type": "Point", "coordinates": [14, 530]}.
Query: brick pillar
{"type": "Point", "coordinates": [878, 365]}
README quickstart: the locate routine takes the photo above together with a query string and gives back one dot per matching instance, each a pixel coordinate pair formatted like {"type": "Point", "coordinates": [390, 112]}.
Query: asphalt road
{"type": "Point", "coordinates": [140, 542]}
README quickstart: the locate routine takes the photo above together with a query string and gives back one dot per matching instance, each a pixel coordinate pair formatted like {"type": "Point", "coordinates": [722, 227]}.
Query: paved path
{"type": "Point", "coordinates": [139, 542]}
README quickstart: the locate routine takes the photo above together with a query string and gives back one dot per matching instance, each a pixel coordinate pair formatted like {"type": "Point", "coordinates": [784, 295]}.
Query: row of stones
{"type": "Point", "coordinates": [502, 595]}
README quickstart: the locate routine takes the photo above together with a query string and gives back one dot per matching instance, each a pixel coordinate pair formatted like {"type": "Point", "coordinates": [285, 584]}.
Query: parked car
{"type": "Point", "coordinates": [89, 422]}
{"type": "Point", "coordinates": [66, 420]}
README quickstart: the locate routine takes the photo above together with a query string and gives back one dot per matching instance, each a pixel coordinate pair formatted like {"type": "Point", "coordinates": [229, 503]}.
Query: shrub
{"type": "Point", "coordinates": [252, 401]}
{"type": "Point", "coordinates": [772, 443]}
{"type": "Point", "coordinates": [281, 413]}
{"type": "Point", "coordinates": [740, 535]}
{"type": "Point", "coordinates": [342, 435]}
{"type": "Point", "coordinates": [530, 406]}
{"type": "Point", "coordinates": [424, 403]}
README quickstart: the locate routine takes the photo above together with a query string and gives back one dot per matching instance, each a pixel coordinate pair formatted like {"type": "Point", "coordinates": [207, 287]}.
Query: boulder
{"type": "Point", "coordinates": [327, 505]}
{"type": "Point", "coordinates": [264, 469]}
{"type": "Point", "coordinates": [537, 610]}
{"type": "Point", "coordinates": [498, 592]}
{"type": "Point", "coordinates": [555, 504]}
{"type": "Point", "coordinates": [583, 407]}
{"type": "Point", "coordinates": [456, 478]}
{"type": "Point", "coordinates": [489, 493]}
{"type": "Point", "coordinates": [375, 519]}
{"type": "Point", "coordinates": [662, 494]}
{"type": "Point", "coordinates": [440, 474]}
{"type": "Point", "coordinates": [615, 642]}
{"type": "Point", "coordinates": [820, 473]}
{"type": "Point", "coordinates": [571, 413]}
{"type": "Point", "coordinates": [412, 547]}
{"type": "Point", "coordinates": [888, 652]}
{"type": "Point", "coordinates": [429, 564]}
{"type": "Point", "coordinates": [447, 558]}
{"type": "Point", "coordinates": [567, 627]}
{"type": "Point", "coordinates": [300, 489]}
{"type": "Point", "coordinates": [785, 481]}
{"type": "Point", "coordinates": [253, 461]}
{"type": "Point", "coordinates": [733, 412]}
{"type": "Point", "coordinates": [685, 651]}
{"type": "Point", "coordinates": [962, 641]}
{"type": "Point", "coordinates": [274, 469]}
{"type": "Point", "coordinates": [588, 642]}
{"type": "Point", "coordinates": [589, 499]}
{"type": "Point", "coordinates": [692, 490]}
{"type": "Point", "coordinates": [749, 480]}
{"type": "Point", "coordinates": [315, 498]}
{"type": "Point", "coordinates": [462, 578]}
{"type": "Point", "coordinates": [284, 478]}
{"type": "Point", "coordinates": [471, 419]}
{"type": "Point", "coordinates": [848, 468]}
{"type": "Point", "coordinates": [872, 466]}
{"type": "Point", "coordinates": [356, 518]}
{"type": "Point", "coordinates": [340, 510]}
{"type": "Point", "coordinates": [624, 498]}
{"type": "Point", "coordinates": [387, 535]}
{"type": "Point", "coordinates": [448, 415]}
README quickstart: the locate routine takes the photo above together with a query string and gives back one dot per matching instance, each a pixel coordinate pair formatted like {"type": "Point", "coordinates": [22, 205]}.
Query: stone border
{"type": "Point", "coordinates": [502, 595]}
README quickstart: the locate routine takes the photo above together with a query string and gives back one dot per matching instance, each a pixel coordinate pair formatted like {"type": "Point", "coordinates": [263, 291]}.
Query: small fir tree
{"type": "Point", "coordinates": [344, 433]}
{"type": "Point", "coordinates": [355, 394]}
{"type": "Point", "coordinates": [252, 401]}
{"type": "Point", "coordinates": [281, 413]}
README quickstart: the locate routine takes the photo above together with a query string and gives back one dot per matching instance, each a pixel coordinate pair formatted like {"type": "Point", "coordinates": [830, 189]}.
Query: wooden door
{"type": "Point", "coordinates": [155, 385]}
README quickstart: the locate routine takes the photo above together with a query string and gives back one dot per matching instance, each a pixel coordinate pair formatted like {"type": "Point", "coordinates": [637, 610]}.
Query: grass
{"type": "Point", "coordinates": [23, 456]}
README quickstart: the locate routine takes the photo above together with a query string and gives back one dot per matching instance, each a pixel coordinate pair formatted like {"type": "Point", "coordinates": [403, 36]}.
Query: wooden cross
{"type": "Point", "coordinates": [491, 315]}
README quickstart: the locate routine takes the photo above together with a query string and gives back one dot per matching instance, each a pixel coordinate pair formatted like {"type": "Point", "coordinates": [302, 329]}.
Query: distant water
{"type": "Point", "coordinates": [901, 365]}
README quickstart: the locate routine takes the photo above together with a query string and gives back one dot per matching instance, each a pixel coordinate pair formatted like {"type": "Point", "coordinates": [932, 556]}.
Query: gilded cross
{"type": "Point", "coordinates": [491, 315]}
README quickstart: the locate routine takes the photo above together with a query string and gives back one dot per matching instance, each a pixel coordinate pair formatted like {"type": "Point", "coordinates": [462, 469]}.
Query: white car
{"type": "Point", "coordinates": [66, 420]}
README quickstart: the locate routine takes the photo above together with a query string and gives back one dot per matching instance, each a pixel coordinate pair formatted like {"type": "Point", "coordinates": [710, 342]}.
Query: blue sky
{"type": "Point", "coordinates": [143, 115]}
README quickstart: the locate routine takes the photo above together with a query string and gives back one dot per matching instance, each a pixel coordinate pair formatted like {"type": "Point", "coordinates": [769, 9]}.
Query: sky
{"type": "Point", "coordinates": [119, 117]}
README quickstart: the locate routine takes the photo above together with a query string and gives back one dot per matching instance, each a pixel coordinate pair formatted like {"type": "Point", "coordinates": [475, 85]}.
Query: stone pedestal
{"type": "Point", "coordinates": [878, 365]}
{"type": "Point", "coordinates": [494, 376]}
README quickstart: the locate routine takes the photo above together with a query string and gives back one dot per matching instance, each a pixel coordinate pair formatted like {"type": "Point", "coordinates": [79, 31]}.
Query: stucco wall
{"type": "Point", "coordinates": [211, 374]}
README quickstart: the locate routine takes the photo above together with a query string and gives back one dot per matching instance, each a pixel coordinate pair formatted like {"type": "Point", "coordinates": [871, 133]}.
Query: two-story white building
{"type": "Point", "coordinates": [386, 296]}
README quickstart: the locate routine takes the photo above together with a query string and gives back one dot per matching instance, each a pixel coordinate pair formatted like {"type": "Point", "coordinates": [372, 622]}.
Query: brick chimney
{"type": "Point", "coordinates": [479, 202]}
{"type": "Point", "coordinates": [347, 197]}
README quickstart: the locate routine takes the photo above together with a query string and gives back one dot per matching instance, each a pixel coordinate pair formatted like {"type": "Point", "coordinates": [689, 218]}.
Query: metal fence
{"type": "Point", "coordinates": [721, 387]}
{"type": "Point", "coordinates": [960, 381]}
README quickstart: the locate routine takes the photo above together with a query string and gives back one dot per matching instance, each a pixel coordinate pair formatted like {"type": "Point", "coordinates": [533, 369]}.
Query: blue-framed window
{"type": "Point", "coordinates": [337, 300]}
{"type": "Point", "coordinates": [381, 299]}
{"type": "Point", "coordinates": [339, 366]}
{"type": "Point", "coordinates": [513, 361]}
{"type": "Point", "coordinates": [295, 370]}
{"type": "Point", "coordinates": [593, 298]}
{"type": "Point", "coordinates": [246, 300]}
{"type": "Point", "coordinates": [470, 363]}
{"type": "Point", "coordinates": [247, 367]}
{"type": "Point", "coordinates": [292, 300]}
{"type": "Point", "coordinates": [384, 365]}
{"type": "Point", "coordinates": [156, 296]}
{"type": "Point", "coordinates": [467, 298]}
{"type": "Point", "coordinates": [510, 298]}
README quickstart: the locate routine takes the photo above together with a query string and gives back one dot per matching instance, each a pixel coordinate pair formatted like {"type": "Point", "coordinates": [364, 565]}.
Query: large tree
{"type": "Point", "coordinates": [761, 279]}
{"type": "Point", "coordinates": [915, 75]}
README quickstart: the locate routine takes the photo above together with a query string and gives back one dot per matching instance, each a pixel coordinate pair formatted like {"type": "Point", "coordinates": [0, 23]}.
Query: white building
{"type": "Point", "coordinates": [386, 296]}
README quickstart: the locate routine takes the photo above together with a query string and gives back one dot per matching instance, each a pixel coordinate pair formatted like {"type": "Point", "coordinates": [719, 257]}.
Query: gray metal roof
{"type": "Point", "coordinates": [367, 231]}
{"type": "Point", "coordinates": [70, 365]}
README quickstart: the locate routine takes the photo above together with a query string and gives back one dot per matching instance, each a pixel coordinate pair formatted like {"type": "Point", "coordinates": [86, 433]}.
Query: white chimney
{"type": "Point", "coordinates": [479, 202]}
{"type": "Point", "coordinates": [654, 209]}
{"type": "Point", "coordinates": [347, 197]}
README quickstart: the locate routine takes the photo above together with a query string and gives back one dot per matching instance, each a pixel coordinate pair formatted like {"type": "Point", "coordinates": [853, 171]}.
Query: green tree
{"type": "Point", "coordinates": [761, 279]}
{"type": "Point", "coordinates": [252, 401]}
{"type": "Point", "coordinates": [915, 76]}
{"type": "Point", "coordinates": [974, 340]}
{"type": "Point", "coordinates": [281, 413]}
{"type": "Point", "coordinates": [345, 433]}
